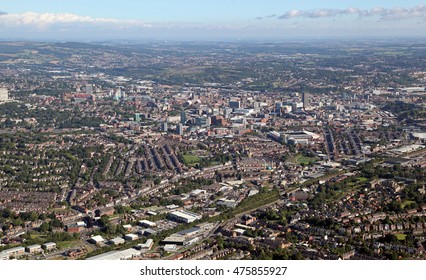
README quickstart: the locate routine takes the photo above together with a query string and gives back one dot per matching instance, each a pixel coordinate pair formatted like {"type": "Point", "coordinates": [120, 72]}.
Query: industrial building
{"type": "Point", "coordinates": [118, 255]}
{"type": "Point", "coordinates": [146, 223]}
{"type": "Point", "coordinates": [185, 216]}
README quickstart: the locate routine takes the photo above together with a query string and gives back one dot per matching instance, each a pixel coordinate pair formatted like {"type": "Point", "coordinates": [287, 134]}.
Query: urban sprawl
{"type": "Point", "coordinates": [202, 151]}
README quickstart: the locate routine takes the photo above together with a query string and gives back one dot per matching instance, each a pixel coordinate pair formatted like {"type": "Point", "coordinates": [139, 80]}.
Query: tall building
{"type": "Point", "coordinates": [4, 95]}
{"type": "Point", "coordinates": [89, 89]}
{"type": "Point", "coordinates": [235, 104]}
{"type": "Point", "coordinates": [179, 129]}
{"type": "Point", "coordinates": [278, 106]}
{"type": "Point", "coordinates": [183, 117]}
{"type": "Point", "coordinates": [305, 100]}
{"type": "Point", "coordinates": [164, 127]}
{"type": "Point", "coordinates": [203, 121]}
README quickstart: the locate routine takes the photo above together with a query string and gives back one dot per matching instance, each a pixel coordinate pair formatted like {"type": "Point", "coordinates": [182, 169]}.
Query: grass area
{"type": "Point", "coordinates": [301, 159]}
{"type": "Point", "coordinates": [190, 159]}
{"type": "Point", "coordinates": [406, 203]}
{"type": "Point", "coordinates": [400, 236]}
{"type": "Point", "coordinates": [34, 236]}
{"type": "Point", "coordinates": [362, 180]}
{"type": "Point", "coordinates": [68, 244]}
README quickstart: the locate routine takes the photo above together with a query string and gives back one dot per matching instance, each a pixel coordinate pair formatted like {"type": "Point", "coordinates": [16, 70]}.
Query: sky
{"type": "Point", "coordinates": [91, 20]}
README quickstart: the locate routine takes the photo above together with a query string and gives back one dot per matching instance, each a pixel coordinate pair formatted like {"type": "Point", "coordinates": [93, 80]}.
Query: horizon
{"type": "Point", "coordinates": [209, 20]}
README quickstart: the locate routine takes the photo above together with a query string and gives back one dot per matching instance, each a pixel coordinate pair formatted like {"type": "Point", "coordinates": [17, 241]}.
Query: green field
{"type": "Point", "coordinates": [69, 244]}
{"type": "Point", "coordinates": [400, 236]}
{"type": "Point", "coordinates": [190, 159]}
{"type": "Point", "coordinates": [406, 203]}
{"type": "Point", "coordinates": [300, 159]}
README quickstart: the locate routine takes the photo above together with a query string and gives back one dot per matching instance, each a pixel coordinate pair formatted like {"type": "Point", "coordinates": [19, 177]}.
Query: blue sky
{"type": "Point", "coordinates": [192, 19]}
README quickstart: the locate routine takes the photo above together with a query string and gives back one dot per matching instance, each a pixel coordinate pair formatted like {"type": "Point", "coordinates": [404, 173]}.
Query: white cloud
{"type": "Point", "coordinates": [418, 11]}
{"type": "Point", "coordinates": [45, 20]}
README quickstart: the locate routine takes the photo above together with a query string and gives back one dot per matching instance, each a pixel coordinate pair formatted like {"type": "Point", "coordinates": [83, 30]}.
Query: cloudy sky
{"type": "Point", "coordinates": [209, 19]}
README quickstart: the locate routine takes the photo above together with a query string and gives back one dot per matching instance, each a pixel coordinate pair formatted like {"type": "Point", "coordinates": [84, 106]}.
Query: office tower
{"type": "Point", "coordinates": [278, 106]}
{"type": "Point", "coordinates": [235, 104]}
{"type": "Point", "coordinates": [164, 127]}
{"type": "Point", "coordinates": [305, 100]}
{"type": "Point", "coordinates": [179, 129]}
{"type": "Point", "coordinates": [183, 117]}
{"type": "Point", "coordinates": [89, 89]}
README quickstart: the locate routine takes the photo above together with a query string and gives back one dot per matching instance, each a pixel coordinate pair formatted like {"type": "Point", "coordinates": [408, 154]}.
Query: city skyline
{"type": "Point", "coordinates": [209, 20]}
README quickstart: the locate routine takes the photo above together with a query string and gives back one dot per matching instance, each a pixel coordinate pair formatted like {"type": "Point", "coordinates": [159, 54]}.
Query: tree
{"type": "Point", "coordinates": [44, 227]}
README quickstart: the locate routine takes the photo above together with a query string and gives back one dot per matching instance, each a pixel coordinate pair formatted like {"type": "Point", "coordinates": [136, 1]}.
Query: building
{"type": "Point", "coordinates": [173, 119]}
{"type": "Point", "coordinates": [49, 246]}
{"type": "Point", "coordinates": [148, 232]}
{"type": "Point", "coordinates": [183, 117]}
{"type": "Point", "coordinates": [97, 239]}
{"type": "Point", "coordinates": [164, 127]}
{"type": "Point", "coordinates": [146, 246]}
{"type": "Point", "coordinates": [234, 104]}
{"type": "Point", "coordinates": [117, 241]}
{"type": "Point", "coordinates": [185, 216]}
{"type": "Point", "coordinates": [4, 95]}
{"type": "Point", "coordinates": [12, 253]}
{"type": "Point", "coordinates": [179, 129]}
{"type": "Point", "coordinates": [131, 237]}
{"type": "Point", "coordinates": [89, 89]}
{"type": "Point", "coordinates": [170, 248]}
{"type": "Point", "coordinates": [128, 228]}
{"type": "Point", "coordinates": [146, 223]}
{"type": "Point", "coordinates": [218, 120]}
{"type": "Point", "coordinates": [278, 107]}
{"type": "Point", "coordinates": [300, 137]}
{"type": "Point", "coordinates": [117, 255]}
{"type": "Point", "coordinates": [305, 100]}
{"type": "Point", "coordinates": [34, 249]}
{"type": "Point", "coordinates": [74, 228]}
{"type": "Point", "coordinates": [189, 232]}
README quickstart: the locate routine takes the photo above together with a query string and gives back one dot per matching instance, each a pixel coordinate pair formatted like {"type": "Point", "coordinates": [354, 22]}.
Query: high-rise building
{"type": "Point", "coordinates": [203, 121]}
{"type": "Point", "coordinates": [235, 104]}
{"type": "Point", "coordinates": [164, 127]}
{"type": "Point", "coordinates": [278, 106]}
{"type": "Point", "coordinates": [305, 100]}
{"type": "Point", "coordinates": [89, 89]}
{"type": "Point", "coordinates": [179, 129]}
{"type": "Point", "coordinates": [183, 117]}
{"type": "Point", "coordinates": [4, 95]}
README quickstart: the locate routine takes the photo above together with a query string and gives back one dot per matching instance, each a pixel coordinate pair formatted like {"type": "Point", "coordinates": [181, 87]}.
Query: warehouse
{"type": "Point", "coordinates": [185, 216]}
{"type": "Point", "coordinates": [117, 241]}
{"type": "Point", "coordinates": [118, 255]}
{"type": "Point", "coordinates": [146, 223]}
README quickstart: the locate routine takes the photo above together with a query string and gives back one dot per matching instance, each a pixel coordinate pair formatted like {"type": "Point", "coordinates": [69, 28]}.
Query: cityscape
{"type": "Point", "coordinates": [298, 149]}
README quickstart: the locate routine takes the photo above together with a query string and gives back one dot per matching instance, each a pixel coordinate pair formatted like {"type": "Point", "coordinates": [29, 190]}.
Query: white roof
{"type": "Point", "coordinates": [97, 238]}
{"type": "Point", "coordinates": [146, 222]}
{"type": "Point", "coordinates": [170, 247]}
{"type": "Point", "coordinates": [117, 239]}
{"type": "Point", "coordinates": [117, 255]}
{"type": "Point", "coordinates": [34, 246]}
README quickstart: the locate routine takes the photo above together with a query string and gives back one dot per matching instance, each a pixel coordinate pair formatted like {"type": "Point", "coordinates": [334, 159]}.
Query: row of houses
{"type": "Point", "coordinates": [32, 249]}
